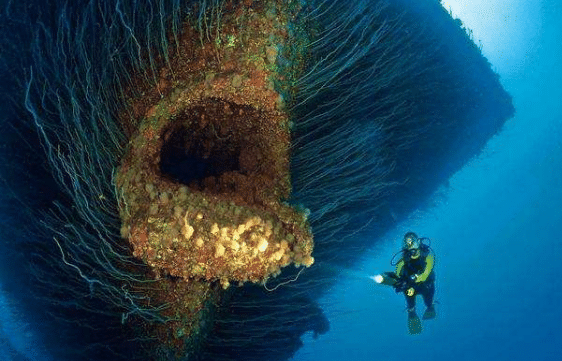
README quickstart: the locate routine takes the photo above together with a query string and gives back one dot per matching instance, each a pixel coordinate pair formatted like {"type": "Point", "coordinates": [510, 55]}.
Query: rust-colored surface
{"type": "Point", "coordinates": [217, 105]}
{"type": "Point", "coordinates": [218, 218]}
{"type": "Point", "coordinates": [188, 308]}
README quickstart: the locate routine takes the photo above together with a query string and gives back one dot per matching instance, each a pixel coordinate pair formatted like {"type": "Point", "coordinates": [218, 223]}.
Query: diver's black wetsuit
{"type": "Point", "coordinates": [423, 265]}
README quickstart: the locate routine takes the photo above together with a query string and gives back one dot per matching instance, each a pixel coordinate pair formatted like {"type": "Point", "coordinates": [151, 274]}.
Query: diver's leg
{"type": "Point", "coordinates": [427, 293]}
{"type": "Point", "coordinates": [414, 322]}
{"type": "Point", "coordinates": [411, 303]}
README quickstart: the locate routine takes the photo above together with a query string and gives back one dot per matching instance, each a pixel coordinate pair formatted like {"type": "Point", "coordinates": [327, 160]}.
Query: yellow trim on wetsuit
{"type": "Point", "coordinates": [429, 261]}
{"type": "Point", "coordinates": [399, 267]}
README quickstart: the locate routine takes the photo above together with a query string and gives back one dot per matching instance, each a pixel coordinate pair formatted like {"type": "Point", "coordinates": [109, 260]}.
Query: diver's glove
{"type": "Point", "coordinates": [405, 283]}
{"type": "Point", "coordinates": [416, 278]}
{"type": "Point", "coordinates": [401, 285]}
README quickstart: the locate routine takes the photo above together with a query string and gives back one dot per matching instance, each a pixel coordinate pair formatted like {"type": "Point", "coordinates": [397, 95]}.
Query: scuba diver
{"type": "Point", "coordinates": [414, 275]}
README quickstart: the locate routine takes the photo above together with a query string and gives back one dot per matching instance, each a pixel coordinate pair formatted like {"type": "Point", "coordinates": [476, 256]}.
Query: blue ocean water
{"type": "Point", "coordinates": [494, 230]}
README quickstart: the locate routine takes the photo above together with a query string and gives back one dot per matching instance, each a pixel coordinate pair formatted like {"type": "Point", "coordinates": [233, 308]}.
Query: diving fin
{"type": "Point", "coordinates": [414, 323]}
{"type": "Point", "coordinates": [430, 313]}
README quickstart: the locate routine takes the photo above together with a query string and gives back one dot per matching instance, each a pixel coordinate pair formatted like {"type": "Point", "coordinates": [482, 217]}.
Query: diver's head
{"type": "Point", "coordinates": [411, 247]}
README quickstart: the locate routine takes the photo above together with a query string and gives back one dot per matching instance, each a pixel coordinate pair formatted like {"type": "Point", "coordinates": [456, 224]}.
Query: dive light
{"type": "Point", "coordinates": [387, 278]}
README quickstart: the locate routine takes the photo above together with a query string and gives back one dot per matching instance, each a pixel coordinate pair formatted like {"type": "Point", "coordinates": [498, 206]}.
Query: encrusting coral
{"type": "Point", "coordinates": [224, 124]}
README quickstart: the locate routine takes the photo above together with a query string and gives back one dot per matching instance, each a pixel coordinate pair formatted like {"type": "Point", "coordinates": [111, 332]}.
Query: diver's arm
{"type": "Point", "coordinates": [429, 261]}
{"type": "Point", "coordinates": [399, 266]}
{"type": "Point", "coordinates": [401, 283]}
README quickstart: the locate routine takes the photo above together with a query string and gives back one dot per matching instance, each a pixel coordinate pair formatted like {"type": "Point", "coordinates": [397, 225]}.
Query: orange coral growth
{"type": "Point", "coordinates": [220, 110]}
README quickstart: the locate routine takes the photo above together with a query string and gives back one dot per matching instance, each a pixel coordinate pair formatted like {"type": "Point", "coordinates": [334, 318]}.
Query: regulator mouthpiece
{"type": "Point", "coordinates": [377, 278]}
